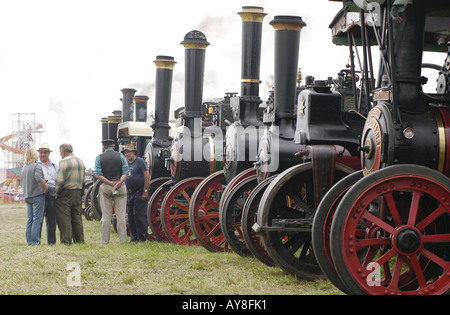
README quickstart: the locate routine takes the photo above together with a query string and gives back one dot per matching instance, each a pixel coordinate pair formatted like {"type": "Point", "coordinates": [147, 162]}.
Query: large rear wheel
{"type": "Point", "coordinates": [204, 213]}
{"type": "Point", "coordinates": [175, 212]}
{"type": "Point", "coordinates": [391, 235]}
{"type": "Point", "coordinates": [285, 216]}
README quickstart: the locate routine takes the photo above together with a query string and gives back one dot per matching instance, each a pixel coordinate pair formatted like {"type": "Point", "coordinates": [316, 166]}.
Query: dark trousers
{"type": "Point", "coordinates": [137, 216]}
{"type": "Point", "coordinates": [69, 216]}
{"type": "Point", "coordinates": [50, 219]}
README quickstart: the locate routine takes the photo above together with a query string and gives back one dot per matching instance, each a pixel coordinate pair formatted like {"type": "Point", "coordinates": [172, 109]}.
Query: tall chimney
{"type": "Point", "coordinates": [195, 44]}
{"type": "Point", "coordinates": [140, 109]}
{"type": "Point", "coordinates": [252, 18]}
{"type": "Point", "coordinates": [127, 101]}
{"type": "Point", "coordinates": [408, 43]}
{"type": "Point", "coordinates": [113, 123]}
{"type": "Point", "coordinates": [163, 92]}
{"type": "Point", "coordinates": [104, 122]}
{"type": "Point", "coordinates": [287, 43]}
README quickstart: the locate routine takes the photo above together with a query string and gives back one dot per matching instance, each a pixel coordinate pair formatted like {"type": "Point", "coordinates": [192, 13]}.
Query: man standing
{"type": "Point", "coordinates": [70, 182]}
{"type": "Point", "coordinates": [111, 168]}
{"type": "Point", "coordinates": [51, 170]}
{"type": "Point", "coordinates": [137, 185]}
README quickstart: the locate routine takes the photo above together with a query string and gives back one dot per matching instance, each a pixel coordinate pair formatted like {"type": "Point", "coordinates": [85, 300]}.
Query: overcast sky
{"type": "Point", "coordinates": [67, 61]}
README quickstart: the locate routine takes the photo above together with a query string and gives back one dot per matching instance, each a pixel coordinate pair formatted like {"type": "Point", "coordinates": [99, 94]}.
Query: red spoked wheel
{"type": "Point", "coordinates": [230, 215]}
{"type": "Point", "coordinates": [159, 189]}
{"type": "Point", "coordinates": [175, 212]}
{"type": "Point", "coordinates": [391, 235]}
{"type": "Point", "coordinates": [249, 218]}
{"type": "Point", "coordinates": [321, 229]}
{"type": "Point", "coordinates": [204, 213]}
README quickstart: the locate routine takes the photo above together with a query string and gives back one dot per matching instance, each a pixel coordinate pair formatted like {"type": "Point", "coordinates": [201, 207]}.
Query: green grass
{"type": "Point", "coordinates": [151, 268]}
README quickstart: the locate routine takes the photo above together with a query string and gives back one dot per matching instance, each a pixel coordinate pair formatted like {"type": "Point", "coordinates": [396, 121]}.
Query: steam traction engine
{"type": "Point", "coordinates": [158, 150]}
{"type": "Point", "coordinates": [388, 232]}
{"type": "Point", "coordinates": [206, 207]}
{"type": "Point", "coordinates": [309, 150]}
{"type": "Point", "coordinates": [195, 151]}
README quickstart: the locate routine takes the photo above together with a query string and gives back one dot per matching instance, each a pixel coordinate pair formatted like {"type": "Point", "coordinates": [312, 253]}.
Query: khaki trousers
{"type": "Point", "coordinates": [108, 202]}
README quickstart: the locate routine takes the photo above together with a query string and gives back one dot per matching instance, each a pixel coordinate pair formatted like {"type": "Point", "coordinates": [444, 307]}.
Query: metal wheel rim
{"type": "Point", "coordinates": [321, 232]}
{"type": "Point", "coordinates": [241, 176]}
{"type": "Point", "coordinates": [154, 211]}
{"type": "Point", "coordinates": [204, 213]}
{"type": "Point", "coordinates": [292, 251]}
{"type": "Point", "coordinates": [394, 184]}
{"type": "Point", "coordinates": [231, 215]}
{"type": "Point", "coordinates": [175, 212]}
{"type": "Point", "coordinates": [249, 218]}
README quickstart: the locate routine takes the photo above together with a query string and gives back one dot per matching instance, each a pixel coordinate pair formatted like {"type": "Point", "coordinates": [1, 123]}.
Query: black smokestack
{"type": "Point", "coordinates": [287, 44]}
{"type": "Point", "coordinates": [140, 103]}
{"type": "Point", "coordinates": [408, 43]}
{"type": "Point", "coordinates": [163, 92]}
{"type": "Point", "coordinates": [113, 123]}
{"type": "Point", "coordinates": [195, 44]}
{"type": "Point", "coordinates": [104, 122]}
{"type": "Point", "coordinates": [127, 101]}
{"type": "Point", "coordinates": [252, 18]}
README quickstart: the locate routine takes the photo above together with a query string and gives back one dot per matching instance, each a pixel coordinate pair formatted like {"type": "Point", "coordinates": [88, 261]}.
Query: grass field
{"type": "Point", "coordinates": [152, 268]}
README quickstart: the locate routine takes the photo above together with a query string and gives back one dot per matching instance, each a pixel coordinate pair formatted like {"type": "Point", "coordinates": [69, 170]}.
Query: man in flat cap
{"type": "Point", "coordinates": [51, 170]}
{"type": "Point", "coordinates": [137, 183]}
{"type": "Point", "coordinates": [111, 168]}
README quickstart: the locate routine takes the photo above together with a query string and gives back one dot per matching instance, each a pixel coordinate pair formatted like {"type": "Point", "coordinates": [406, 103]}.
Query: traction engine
{"type": "Point", "coordinates": [385, 230]}
{"type": "Point", "coordinates": [196, 152]}
{"type": "Point", "coordinates": [241, 139]}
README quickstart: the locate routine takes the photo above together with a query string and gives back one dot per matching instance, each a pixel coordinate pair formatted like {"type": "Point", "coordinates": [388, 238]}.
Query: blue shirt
{"type": "Point", "coordinates": [52, 171]}
{"type": "Point", "coordinates": [136, 179]}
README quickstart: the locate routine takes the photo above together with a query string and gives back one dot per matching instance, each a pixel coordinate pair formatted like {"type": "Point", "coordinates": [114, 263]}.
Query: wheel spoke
{"type": "Point", "coordinates": [397, 273]}
{"type": "Point", "coordinates": [418, 271]}
{"type": "Point", "coordinates": [180, 206]}
{"type": "Point", "coordinates": [436, 238]}
{"type": "Point", "coordinates": [187, 236]}
{"type": "Point", "coordinates": [178, 216]}
{"type": "Point", "coordinates": [368, 257]}
{"type": "Point", "coordinates": [378, 242]}
{"type": "Point", "coordinates": [186, 195]}
{"type": "Point", "coordinates": [211, 203]}
{"type": "Point", "coordinates": [180, 226]}
{"type": "Point", "coordinates": [414, 208]}
{"type": "Point", "coordinates": [436, 259]}
{"type": "Point", "coordinates": [213, 230]}
{"type": "Point", "coordinates": [429, 219]}
{"type": "Point", "coordinates": [385, 258]}
{"type": "Point", "coordinates": [295, 242]}
{"type": "Point", "coordinates": [393, 208]}
{"type": "Point", "coordinates": [378, 222]}
{"type": "Point", "coordinates": [208, 217]}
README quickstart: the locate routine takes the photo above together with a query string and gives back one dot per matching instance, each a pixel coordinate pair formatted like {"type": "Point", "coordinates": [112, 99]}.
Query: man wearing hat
{"type": "Point", "coordinates": [137, 183]}
{"type": "Point", "coordinates": [111, 168]}
{"type": "Point", "coordinates": [50, 172]}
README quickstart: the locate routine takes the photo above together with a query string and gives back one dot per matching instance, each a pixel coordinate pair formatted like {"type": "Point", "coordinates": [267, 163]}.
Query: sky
{"type": "Point", "coordinates": [67, 61]}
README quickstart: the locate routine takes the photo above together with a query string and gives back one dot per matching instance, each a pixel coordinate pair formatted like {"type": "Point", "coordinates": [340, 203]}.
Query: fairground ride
{"type": "Point", "coordinates": [14, 145]}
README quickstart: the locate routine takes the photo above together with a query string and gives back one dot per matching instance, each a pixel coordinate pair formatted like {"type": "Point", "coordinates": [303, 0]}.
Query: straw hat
{"type": "Point", "coordinates": [44, 147]}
